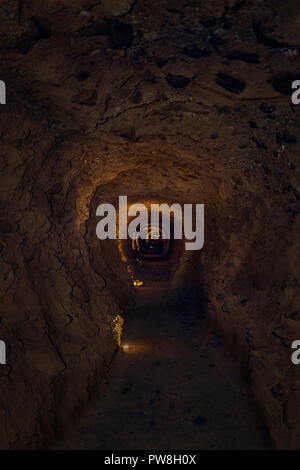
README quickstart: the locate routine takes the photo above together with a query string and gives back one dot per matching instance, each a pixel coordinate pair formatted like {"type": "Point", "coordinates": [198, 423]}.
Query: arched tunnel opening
{"type": "Point", "coordinates": [136, 342]}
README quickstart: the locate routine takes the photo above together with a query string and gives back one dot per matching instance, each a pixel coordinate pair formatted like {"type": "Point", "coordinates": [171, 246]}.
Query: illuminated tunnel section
{"type": "Point", "coordinates": [154, 254]}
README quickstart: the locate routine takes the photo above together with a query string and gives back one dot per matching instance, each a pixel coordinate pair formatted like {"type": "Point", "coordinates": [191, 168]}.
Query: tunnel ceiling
{"type": "Point", "coordinates": [180, 99]}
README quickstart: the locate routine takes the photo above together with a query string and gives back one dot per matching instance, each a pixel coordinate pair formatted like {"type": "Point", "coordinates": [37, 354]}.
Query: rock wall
{"type": "Point", "coordinates": [171, 98]}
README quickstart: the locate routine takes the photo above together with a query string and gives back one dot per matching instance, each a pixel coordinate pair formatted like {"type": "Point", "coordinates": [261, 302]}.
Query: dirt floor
{"type": "Point", "coordinates": [174, 388]}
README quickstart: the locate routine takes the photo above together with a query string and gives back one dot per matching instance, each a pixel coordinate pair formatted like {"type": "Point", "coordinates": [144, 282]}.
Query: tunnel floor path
{"type": "Point", "coordinates": [174, 388]}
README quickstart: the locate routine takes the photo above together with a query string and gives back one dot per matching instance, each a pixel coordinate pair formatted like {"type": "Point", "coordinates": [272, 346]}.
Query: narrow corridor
{"type": "Point", "coordinates": [175, 387]}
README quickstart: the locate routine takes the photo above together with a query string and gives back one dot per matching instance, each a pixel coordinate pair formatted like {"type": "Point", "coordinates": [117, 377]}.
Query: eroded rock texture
{"type": "Point", "coordinates": [184, 100]}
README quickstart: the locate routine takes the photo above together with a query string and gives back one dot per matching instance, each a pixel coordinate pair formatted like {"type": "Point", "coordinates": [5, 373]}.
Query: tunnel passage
{"type": "Point", "coordinates": [94, 285]}
{"type": "Point", "coordinates": [152, 246]}
{"type": "Point", "coordinates": [186, 107]}
{"type": "Point", "coordinates": [153, 255]}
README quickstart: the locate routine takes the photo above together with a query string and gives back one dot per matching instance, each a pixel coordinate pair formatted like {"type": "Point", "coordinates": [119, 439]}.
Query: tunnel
{"type": "Point", "coordinates": [140, 343]}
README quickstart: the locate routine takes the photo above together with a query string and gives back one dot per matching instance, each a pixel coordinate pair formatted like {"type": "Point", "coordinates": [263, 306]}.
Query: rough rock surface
{"type": "Point", "coordinates": [91, 115]}
{"type": "Point", "coordinates": [164, 391]}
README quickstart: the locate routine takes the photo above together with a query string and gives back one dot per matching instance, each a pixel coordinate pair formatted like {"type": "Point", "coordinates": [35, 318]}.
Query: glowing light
{"type": "Point", "coordinates": [125, 347]}
{"type": "Point", "coordinates": [117, 328]}
{"type": "Point", "coordinates": [138, 283]}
